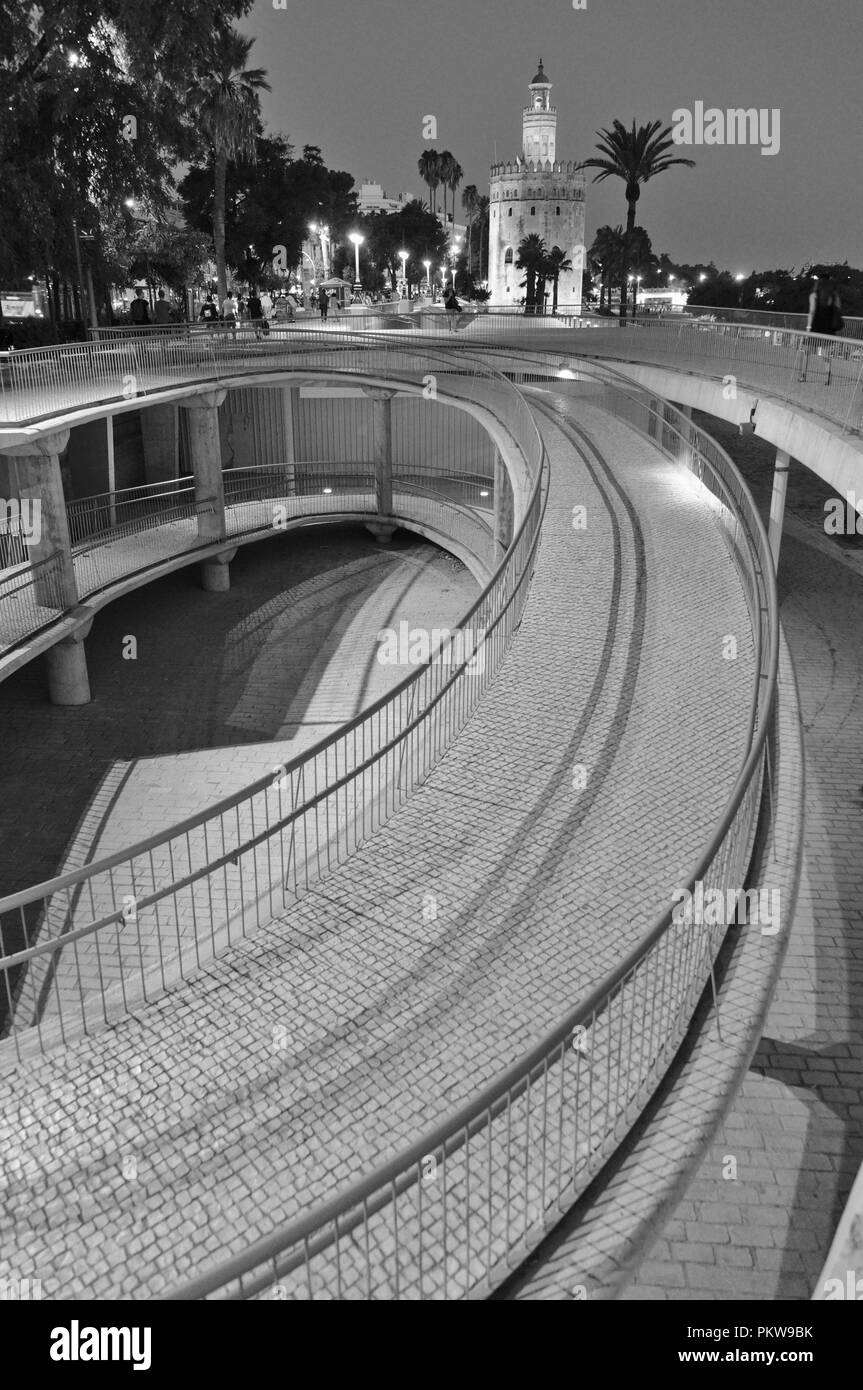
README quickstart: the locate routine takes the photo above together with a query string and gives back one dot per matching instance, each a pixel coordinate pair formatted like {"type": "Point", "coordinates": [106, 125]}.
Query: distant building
{"type": "Point", "coordinates": [372, 198]}
{"type": "Point", "coordinates": [536, 193]}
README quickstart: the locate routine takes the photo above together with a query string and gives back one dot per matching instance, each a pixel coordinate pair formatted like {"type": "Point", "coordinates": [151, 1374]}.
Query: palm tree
{"type": "Point", "coordinates": [469, 201]}
{"type": "Point", "coordinates": [429, 165]}
{"type": "Point", "coordinates": [559, 264]}
{"type": "Point", "coordinates": [455, 174]}
{"type": "Point", "coordinates": [607, 253]}
{"type": "Point", "coordinates": [228, 114]}
{"type": "Point", "coordinates": [635, 156]}
{"type": "Point", "coordinates": [531, 251]}
{"type": "Point", "coordinates": [447, 160]}
{"type": "Point", "coordinates": [483, 204]}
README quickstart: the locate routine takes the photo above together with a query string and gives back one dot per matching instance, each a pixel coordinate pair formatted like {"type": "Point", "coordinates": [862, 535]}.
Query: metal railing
{"type": "Point", "coordinates": [450, 1214]}
{"type": "Point", "coordinates": [510, 1161]}
{"type": "Point", "coordinates": [125, 364]}
{"type": "Point", "coordinates": [133, 515]}
{"type": "Point", "coordinates": [76, 950]}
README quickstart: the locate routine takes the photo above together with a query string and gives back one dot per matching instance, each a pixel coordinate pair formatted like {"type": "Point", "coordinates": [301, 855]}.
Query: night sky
{"type": "Point", "coordinates": [358, 78]}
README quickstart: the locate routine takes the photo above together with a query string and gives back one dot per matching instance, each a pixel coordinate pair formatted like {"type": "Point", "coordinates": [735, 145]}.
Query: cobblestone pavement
{"type": "Point", "coordinates": [796, 1127]}
{"type": "Point", "coordinates": [332, 1037]}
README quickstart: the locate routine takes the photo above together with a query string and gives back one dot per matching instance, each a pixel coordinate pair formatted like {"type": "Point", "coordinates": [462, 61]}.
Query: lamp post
{"type": "Point", "coordinates": [404, 257]}
{"type": "Point", "coordinates": [427, 265]}
{"type": "Point", "coordinates": [357, 238]}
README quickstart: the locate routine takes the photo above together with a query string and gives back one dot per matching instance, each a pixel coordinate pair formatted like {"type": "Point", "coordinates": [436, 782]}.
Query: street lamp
{"type": "Point", "coordinates": [427, 265]}
{"type": "Point", "coordinates": [357, 238]}
{"type": "Point", "coordinates": [404, 257]}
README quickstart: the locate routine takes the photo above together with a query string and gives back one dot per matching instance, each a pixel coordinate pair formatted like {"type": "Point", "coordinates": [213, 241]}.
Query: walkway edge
{"type": "Point", "coordinates": [597, 1249]}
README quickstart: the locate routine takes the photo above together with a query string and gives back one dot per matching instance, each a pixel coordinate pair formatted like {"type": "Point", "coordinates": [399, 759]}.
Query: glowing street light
{"type": "Point", "coordinates": [404, 257]}
{"type": "Point", "coordinates": [427, 265]}
{"type": "Point", "coordinates": [357, 238]}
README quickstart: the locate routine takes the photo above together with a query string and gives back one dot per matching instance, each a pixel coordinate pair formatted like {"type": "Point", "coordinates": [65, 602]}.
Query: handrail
{"type": "Point", "coordinates": [683, 969]}
{"type": "Point", "coordinates": [290, 1247]}
{"type": "Point", "coordinates": [519, 420]}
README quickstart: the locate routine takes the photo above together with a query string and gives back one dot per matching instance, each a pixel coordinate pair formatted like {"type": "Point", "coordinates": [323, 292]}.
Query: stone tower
{"type": "Point", "coordinates": [537, 193]}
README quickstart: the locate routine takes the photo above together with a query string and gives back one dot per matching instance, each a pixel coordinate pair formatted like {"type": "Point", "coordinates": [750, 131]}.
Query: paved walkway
{"type": "Point", "coordinates": [331, 1038]}
{"type": "Point", "coordinates": [796, 1127]}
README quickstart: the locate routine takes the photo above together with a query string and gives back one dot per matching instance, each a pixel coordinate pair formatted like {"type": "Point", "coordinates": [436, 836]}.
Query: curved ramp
{"type": "Point", "coordinates": [500, 892]}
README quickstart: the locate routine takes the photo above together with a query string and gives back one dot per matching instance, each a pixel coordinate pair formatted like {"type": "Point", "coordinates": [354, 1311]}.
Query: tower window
{"type": "Point", "coordinates": [507, 260]}
{"type": "Point", "coordinates": [557, 211]}
{"type": "Point", "coordinates": [509, 214]}
{"type": "Point", "coordinates": [533, 212]}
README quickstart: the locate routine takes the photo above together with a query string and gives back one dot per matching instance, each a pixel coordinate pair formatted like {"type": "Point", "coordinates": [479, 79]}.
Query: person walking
{"type": "Point", "coordinates": [256, 314]}
{"type": "Point", "coordinates": [452, 307]}
{"type": "Point", "coordinates": [209, 313]}
{"type": "Point", "coordinates": [825, 317]}
{"type": "Point", "coordinates": [139, 313]}
{"type": "Point", "coordinates": [323, 304]}
{"type": "Point", "coordinates": [163, 308]}
{"type": "Point", "coordinates": [229, 313]}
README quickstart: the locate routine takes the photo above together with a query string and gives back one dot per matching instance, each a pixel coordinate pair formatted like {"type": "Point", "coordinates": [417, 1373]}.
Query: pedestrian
{"type": "Point", "coordinates": [209, 313]}
{"type": "Point", "coordinates": [825, 317]}
{"type": "Point", "coordinates": [452, 307]}
{"type": "Point", "coordinates": [323, 304]}
{"type": "Point", "coordinates": [139, 313]}
{"type": "Point", "coordinates": [163, 308]}
{"type": "Point", "coordinates": [229, 313]}
{"type": "Point", "coordinates": [282, 311]}
{"type": "Point", "coordinates": [256, 313]}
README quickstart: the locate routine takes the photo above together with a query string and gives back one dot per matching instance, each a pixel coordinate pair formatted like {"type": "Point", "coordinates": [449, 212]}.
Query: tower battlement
{"type": "Point", "coordinates": [512, 170]}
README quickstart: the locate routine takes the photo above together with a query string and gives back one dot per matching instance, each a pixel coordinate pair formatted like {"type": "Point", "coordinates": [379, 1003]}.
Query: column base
{"type": "Point", "coordinates": [382, 531]}
{"type": "Point", "coordinates": [215, 576]}
{"type": "Point", "coordinates": [68, 680]}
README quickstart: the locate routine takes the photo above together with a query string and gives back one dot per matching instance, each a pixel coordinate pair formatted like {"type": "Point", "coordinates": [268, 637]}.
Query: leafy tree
{"type": "Point", "coordinates": [227, 102]}
{"type": "Point", "coordinates": [95, 110]}
{"type": "Point", "coordinates": [635, 156]}
{"type": "Point", "coordinates": [606, 255]}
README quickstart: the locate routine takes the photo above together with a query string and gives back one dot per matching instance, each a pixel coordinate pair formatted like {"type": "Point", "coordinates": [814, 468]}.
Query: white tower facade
{"type": "Point", "coordinates": [536, 193]}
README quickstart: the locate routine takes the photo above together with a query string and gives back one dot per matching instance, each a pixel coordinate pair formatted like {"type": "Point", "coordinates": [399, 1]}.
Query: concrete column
{"type": "Point", "coordinates": [205, 451]}
{"type": "Point", "coordinates": [777, 503]}
{"type": "Point", "coordinates": [503, 504]}
{"type": "Point", "coordinates": [383, 459]}
{"type": "Point", "coordinates": [68, 681]}
{"type": "Point", "coordinates": [291, 406]}
{"type": "Point", "coordinates": [206, 457]}
{"type": "Point", "coordinates": [40, 489]}
{"type": "Point", "coordinates": [216, 574]}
